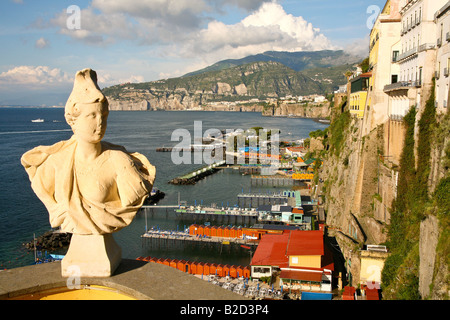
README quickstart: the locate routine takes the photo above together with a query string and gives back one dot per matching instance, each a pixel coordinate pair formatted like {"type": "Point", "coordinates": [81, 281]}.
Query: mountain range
{"type": "Point", "coordinates": [267, 75]}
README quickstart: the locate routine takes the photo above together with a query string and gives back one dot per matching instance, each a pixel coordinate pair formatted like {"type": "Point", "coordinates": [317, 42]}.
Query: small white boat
{"type": "Point", "coordinates": [37, 120]}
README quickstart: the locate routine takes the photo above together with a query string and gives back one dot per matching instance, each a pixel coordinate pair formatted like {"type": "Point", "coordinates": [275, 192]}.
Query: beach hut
{"type": "Point", "coordinates": [219, 270]}
{"type": "Point", "coordinates": [141, 259]}
{"type": "Point", "coordinates": [207, 231]}
{"type": "Point", "coordinates": [153, 260]}
{"type": "Point", "coordinates": [233, 271]}
{"type": "Point", "coordinates": [213, 269]}
{"type": "Point", "coordinates": [193, 229]}
{"type": "Point", "coordinates": [206, 271]}
{"type": "Point", "coordinates": [199, 269]}
{"type": "Point", "coordinates": [173, 263]}
{"type": "Point", "coordinates": [226, 232]}
{"type": "Point", "coordinates": [165, 262]}
{"type": "Point", "coordinates": [226, 270]}
{"type": "Point", "coordinates": [233, 232]}
{"type": "Point", "coordinates": [239, 271]}
{"type": "Point", "coordinates": [213, 231]}
{"type": "Point", "coordinates": [239, 233]}
{"type": "Point", "coordinates": [201, 230]}
{"type": "Point", "coordinates": [220, 232]}
{"type": "Point", "coordinates": [193, 268]}
{"type": "Point", "coordinates": [246, 272]}
{"type": "Point", "coordinates": [183, 265]}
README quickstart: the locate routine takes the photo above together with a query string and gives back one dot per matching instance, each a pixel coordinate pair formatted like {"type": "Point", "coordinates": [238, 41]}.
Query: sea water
{"type": "Point", "coordinates": [22, 214]}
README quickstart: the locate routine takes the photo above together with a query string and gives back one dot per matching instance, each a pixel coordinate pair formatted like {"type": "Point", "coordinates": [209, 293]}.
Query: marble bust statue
{"type": "Point", "coordinates": [90, 188]}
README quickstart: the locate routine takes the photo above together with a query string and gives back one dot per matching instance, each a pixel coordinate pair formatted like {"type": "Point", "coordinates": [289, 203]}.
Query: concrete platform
{"type": "Point", "coordinates": [137, 279]}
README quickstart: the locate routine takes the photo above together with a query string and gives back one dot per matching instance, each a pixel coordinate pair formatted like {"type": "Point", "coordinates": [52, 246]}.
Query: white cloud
{"type": "Point", "coordinates": [42, 43]}
{"type": "Point", "coordinates": [31, 75]}
{"type": "Point", "coordinates": [269, 28]}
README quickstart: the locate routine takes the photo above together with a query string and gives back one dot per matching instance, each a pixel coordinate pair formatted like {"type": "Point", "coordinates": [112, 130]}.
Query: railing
{"type": "Point", "coordinates": [402, 85]}
{"type": "Point", "coordinates": [408, 54]}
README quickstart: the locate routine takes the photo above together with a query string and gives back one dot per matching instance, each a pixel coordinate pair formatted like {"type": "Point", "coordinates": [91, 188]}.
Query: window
{"type": "Point", "coordinates": [394, 78]}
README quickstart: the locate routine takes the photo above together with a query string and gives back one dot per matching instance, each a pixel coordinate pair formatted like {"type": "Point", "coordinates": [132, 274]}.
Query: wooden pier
{"type": "Point", "coordinates": [197, 175]}
{"type": "Point", "coordinates": [186, 237]}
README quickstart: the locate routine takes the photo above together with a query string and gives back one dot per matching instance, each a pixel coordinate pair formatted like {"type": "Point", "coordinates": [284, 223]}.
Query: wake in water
{"type": "Point", "coordinates": [40, 131]}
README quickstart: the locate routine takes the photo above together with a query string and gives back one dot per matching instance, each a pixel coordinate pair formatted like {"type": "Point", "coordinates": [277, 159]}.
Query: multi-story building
{"type": "Point", "coordinates": [383, 37]}
{"type": "Point", "coordinates": [359, 94]}
{"type": "Point", "coordinates": [442, 20]}
{"type": "Point", "coordinates": [415, 57]}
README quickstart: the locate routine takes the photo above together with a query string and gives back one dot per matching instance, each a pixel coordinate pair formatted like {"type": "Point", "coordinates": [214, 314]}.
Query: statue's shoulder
{"type": "Point", "coordinates": [117, 154]}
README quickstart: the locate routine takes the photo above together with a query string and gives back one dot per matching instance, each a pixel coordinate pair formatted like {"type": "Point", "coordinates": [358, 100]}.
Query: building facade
{"type": "Point", "coordinates": [442, 21]}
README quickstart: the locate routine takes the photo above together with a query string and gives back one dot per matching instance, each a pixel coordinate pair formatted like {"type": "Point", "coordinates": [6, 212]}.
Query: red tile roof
{"type": "Point", "coordinates": [301, 275]}
{"type": "Point", "coordinates": [305, 243]}
{"type": "Point", "coordinates": [275, 249]}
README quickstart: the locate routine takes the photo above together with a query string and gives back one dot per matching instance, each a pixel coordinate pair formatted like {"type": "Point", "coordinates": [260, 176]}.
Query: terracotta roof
{"type": "Point", "coordinates": [301, 275]}
{"type": "Point", "coordinates": [271, 250]}
{"type": "Point", "coordinates": [305, 243]}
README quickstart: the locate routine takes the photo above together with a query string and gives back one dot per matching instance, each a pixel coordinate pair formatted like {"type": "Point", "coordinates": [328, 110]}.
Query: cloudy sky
{"type": "Point", "coordinates": [44, 42]}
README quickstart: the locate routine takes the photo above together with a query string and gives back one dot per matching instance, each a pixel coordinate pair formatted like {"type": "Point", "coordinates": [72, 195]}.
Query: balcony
{"type": "Point", "coordinates": [402, 85]}
{"type": "Point", "coordinates": [426, 46]}
{"type": "Point", "coordinates": [407, 54]}
{"type": "Point", "coordinates": [446, 72]}
{"type": "Point", "coordinates": [439, 42]}
{"type": "Point", "coordinates": [437, 74]}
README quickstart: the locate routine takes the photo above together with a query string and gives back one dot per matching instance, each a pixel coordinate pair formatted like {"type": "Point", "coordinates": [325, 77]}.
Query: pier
{"type": "Point", "coordinates": [186, 237]}
{"type": "Point", "coordinates": [275, 181]}
{"type": "Point", "coordinates": [255, 200]}
{"type": "Point", "coordinates": [237, 216]}
{"type": "Point", "coordinates": [197, 175]}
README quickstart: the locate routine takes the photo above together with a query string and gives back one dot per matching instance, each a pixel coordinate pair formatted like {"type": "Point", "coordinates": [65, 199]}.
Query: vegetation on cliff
{"type": "Point", "coordinates": [400, 276]}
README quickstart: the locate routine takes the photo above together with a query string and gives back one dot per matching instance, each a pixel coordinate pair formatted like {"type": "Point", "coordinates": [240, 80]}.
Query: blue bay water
{"type": "Point", "coordinates": [22, 214]}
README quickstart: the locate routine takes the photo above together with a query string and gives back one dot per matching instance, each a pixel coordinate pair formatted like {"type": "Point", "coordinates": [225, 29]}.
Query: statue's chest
{"type": "Point", "coordinates": [96, 182]}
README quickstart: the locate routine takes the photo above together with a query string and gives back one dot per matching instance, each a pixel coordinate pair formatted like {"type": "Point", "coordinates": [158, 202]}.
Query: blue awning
{"type": "Point", "coordinates": [316, 296]}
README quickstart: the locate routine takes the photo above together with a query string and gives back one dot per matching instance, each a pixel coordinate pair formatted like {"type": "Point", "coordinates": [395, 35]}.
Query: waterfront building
{"type": "Point", "coordinates": [417, 58]}
{"type": "Point", "coordinates": [442, 20]}
{"type": "Point", "coordinates": [384, 36]}
{"type": "Point", "coordinates": [300, 258]}
{"type": "Point", "coordinates": [359, 93]}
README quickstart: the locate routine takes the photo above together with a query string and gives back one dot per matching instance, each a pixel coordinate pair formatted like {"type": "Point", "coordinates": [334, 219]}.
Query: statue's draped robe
{"type": "Point", "coordinates": [52, 172]}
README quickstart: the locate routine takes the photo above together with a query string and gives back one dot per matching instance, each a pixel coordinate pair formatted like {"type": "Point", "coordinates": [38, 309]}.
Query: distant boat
{"type": "Point", "coordinates": [37, 120]}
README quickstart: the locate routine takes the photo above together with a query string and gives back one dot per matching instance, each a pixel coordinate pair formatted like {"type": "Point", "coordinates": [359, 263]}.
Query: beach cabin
{"type": "Point", "coordinates": [220, 232]}
{"type": "Point", "coordinates": [233, 232]}
{"type": "Point", "coordinates": [206, 268]}
{"type": "Point", "coordinates": [207, 231]}
{"type": "Point", "coordinates": [193, 268]}
{"type": "Point", "coordinates": [201, 230]}
{"type": "Point", "coordinates": [246, 272]}
{"type": "Point", "coordinates": [193, 230]}
{"type": "Point", "coordinates": [239, 233]}
{"type": "Point", "coordinates": [233, 271]}
{"type": "Point", "coordinates": [213, 231]}
{"type": "Point", "coordinates": [226, 232]}
{"type": "Point", "coordinates": [166, 261]}
{"type": "Point", "coordinates": [213, 269]}
{"type": "Point", "coordinates": [226, 270]}
{"type": "Point", "coordinates": [219, 270]}
{"type": "Point", "coordinates": [181, 265]}
{"type": "Point", "coordinates": [173, 263]}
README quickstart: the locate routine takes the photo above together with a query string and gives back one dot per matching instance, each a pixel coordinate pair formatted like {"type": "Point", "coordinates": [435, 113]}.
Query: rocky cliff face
{"type": "Point", "coordinates": [360, 185]}
{"type": "Point", "coordinates": [314, 110]}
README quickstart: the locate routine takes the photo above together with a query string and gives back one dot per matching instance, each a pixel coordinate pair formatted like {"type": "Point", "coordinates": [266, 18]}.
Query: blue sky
{"type": "Point", "coordinates": [145, 40]}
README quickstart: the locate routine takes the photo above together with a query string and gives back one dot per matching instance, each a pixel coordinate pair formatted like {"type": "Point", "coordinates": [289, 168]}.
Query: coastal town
{"type": "Point", "coordinates": [355, 210]}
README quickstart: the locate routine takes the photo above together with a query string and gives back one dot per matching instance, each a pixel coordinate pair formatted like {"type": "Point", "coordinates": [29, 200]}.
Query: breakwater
{"type": "Point", "coordinates": [197, 175]}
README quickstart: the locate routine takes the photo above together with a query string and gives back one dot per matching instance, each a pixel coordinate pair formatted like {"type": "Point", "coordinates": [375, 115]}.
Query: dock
{"type": "Point", "coordinates": [192, 177]}
{"type": "Point", "coordinates": [186, 237]}
{"type": "Point", "coordinates": [255, 200]}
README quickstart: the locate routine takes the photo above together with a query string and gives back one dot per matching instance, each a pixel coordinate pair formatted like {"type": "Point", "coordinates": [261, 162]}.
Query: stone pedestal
{"type": "Point", "coordinates": [91, 256]}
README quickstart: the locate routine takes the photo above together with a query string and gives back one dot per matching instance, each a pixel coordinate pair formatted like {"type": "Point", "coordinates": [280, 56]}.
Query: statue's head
{"type": "Point", "coordinates": [87, 108]}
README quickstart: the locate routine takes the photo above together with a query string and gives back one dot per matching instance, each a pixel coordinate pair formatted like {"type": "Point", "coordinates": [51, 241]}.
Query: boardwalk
{"type": "Point", "coordinates": [183, 236]}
